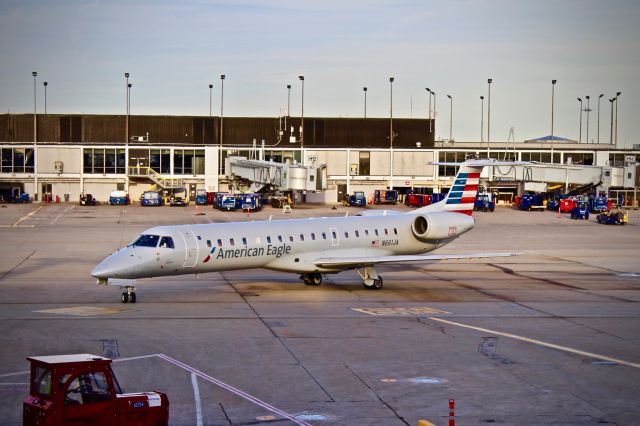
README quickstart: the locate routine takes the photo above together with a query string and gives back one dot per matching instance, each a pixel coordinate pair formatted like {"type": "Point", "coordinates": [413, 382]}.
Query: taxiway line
{"type": "Point", "coordinates": [539, 343]}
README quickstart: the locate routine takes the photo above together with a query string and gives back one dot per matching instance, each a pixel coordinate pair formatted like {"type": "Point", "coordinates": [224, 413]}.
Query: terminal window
{"type": "Point", "coordinates": [17, 160]}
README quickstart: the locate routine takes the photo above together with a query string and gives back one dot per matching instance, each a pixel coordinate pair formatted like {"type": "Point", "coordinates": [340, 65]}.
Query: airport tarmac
{"type": "Point", "coordinates": [548, 337]}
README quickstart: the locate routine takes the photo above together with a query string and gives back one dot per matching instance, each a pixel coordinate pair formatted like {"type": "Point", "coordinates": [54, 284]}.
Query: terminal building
{"type": "Point", "coordinates": [59, 157]}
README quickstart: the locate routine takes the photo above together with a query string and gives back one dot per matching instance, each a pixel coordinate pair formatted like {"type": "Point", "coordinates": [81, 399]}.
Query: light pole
{"type": "Point", "coordinates": [391, 79]}
{"type": "Point", "coordinates": [489, 81]}
{"type": "Point", "coordinates": [210, 96]}
{"type": "Point", "coordinates": [45, 84]}
{"type": "Point", "coordinates": [588, 110]}
{"type": "Point", "coordinates": [481, 118]}
{"type": "Point", "coordinates": [450, 118]}
{"type": "Point", "coordinates": [126, 109]}
{"type": "Point", "coordinates": [129, 98]}
{"type": "Point", "coordinates": [580, 132]}
{"type": "Point", "coordinates": [222, 77]}
{"type": "Point", "coordinates": [35, 138]}
{"type": "Point", "coordinates": [301, 77]}
{"type": "Point", "coordinates": [288, 100]}
{"type": "Point", "coordinates": [599, 97]}
{"type": "Point", "coordinates": [617, 96]}
{"type": "Point", "coordinates": [553, 89]}
{"type": "Point", "coordinates": [428, 90]}
{"type": "Point", "coordinates": [435, 113]}
{"type": "Point", "coordinates": [611, 131]}
{"type": "Point", "coordinates": [364, 89]}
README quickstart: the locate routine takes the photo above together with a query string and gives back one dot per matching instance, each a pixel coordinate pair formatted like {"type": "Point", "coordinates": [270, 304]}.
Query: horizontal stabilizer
{"type": "Point", "coordinates": [329, 262]}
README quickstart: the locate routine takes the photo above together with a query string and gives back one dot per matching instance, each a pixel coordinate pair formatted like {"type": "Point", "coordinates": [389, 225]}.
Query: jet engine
{"type": "Point", "coordinates": [440, 225]}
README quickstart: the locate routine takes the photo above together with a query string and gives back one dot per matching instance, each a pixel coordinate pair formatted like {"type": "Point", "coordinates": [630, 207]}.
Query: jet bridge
{"type": "Point", "coordinates": [259, 176]}
{"type": "Point", "coordinates": [601, 177]}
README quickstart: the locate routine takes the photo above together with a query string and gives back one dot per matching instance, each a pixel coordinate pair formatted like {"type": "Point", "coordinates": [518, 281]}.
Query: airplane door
{"type": "Point", "coordinates": [190, 248]}
{"type": "Point", "coordinates": [335, 238]}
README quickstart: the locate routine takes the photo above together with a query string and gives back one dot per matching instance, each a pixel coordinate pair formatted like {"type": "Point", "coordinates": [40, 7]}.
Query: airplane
{"type": "Point", "coordinates": [310, 247]}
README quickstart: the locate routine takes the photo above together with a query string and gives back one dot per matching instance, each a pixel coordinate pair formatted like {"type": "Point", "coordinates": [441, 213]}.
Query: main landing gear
{"type": "Point", "coordinates": [370, 278]}
{"type": "Point", "coordinates": [128, 296]}
{"type": "Point", "coordinates": [314, 279]}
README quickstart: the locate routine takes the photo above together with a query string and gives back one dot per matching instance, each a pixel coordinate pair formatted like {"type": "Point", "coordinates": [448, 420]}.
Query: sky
{"type": "Point", "coordinates": [173, 50]}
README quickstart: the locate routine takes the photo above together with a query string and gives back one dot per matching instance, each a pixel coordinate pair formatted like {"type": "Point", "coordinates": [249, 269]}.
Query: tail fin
{"type": "Point", "coordinates": [462, 195]}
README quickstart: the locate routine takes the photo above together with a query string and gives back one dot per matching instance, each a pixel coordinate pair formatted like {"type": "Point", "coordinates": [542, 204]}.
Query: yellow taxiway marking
{"type": "Point", "coordinates": [540, 343]}
{"type": "Point", "coordinates": [419, 310]}
{"type": "Point", "coordinates": [84, 311]}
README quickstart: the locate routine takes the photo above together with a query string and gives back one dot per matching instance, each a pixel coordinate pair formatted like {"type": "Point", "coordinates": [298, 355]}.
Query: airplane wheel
{"type": "Point", "coordinates": [132, 298]}
{"type": "Point", "coordinates": [124, 297]}
{"type": "Point", "coordinates": [377, 284]}
{"type": "Point", "coordinates": [316, 279]}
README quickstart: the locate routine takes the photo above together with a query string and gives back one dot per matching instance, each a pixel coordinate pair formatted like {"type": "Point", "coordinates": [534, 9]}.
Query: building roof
{"type": "Point", "coordinates": [553, 138]}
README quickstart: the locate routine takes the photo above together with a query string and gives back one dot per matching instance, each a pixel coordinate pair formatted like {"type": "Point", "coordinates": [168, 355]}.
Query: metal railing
{"type": "Point", "coordinates": [157, 178]}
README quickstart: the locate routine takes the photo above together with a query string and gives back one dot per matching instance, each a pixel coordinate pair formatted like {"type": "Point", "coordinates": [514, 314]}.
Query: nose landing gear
{"type": "Point", "coordinates": [128, 296]}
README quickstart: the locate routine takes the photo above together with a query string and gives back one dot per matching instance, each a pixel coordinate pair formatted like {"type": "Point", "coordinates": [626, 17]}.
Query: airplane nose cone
{"type": "Point", "coordinates": [120, 264]}
{"type": "Point", "coordinates": [102, 270]}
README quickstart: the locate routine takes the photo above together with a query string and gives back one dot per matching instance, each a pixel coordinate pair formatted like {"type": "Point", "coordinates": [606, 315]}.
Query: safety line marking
{"type": "Point", "coordinates": [539, 342]}
{"type": "Point", "coordinates": [196, 397]}
{"type": "Point", "coordinates": [15, 224]}
{"type": "Point", "coordinates": [60, 215]}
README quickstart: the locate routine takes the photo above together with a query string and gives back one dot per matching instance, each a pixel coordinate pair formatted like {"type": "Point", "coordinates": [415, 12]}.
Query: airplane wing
{"type": "Point", "coordinates": [345, 262]}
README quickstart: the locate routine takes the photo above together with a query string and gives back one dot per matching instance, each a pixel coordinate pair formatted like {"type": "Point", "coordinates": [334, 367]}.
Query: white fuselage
{"type": "Point", "coordinates": [292, 245]}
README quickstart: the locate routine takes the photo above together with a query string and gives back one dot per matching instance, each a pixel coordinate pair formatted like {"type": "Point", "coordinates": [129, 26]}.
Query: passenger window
{"type": "Point", "coordinates": [291, 238]}
{"type": "Point", "coordinates": [366, 232]}
{"type": "Point", "coordinates": [219, 243]}
{"type": "Point", "coordinates": [386, 231]}
{"type": "Point", "coordinates": [333, 233]}
{"type": "Point", "coordinates": [208, 243]}
{"type": "Point", "coordinates": [313, 236]}
{"type": "Point", "coordinates": [324, 236]}
{"type": "Point", "coordinates": [244, 241]}
{"type": "Point", "coordinates": [301, 237]}
{"type": "Point", "coordinates": [357, 234]}
{"type": "Point", "coordinates": [257, 240]}
{"type": "Point", "coordinates": [395, 231]}
{"type": "Point", "coordinates": [280, 238]}
{"type": "Point", "coordinates": [376, 231]}
{"type": "Point", "coordinates": [269, 239]}
{"type": "Point", "coordinates": [346, 234]}
{"type": "Point", "coordinates": [231, 242]}
{"type": "Point", "coordinates": [167, 242]}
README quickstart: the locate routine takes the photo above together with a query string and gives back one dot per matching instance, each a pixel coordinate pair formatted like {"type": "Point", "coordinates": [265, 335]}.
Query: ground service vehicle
{"type": "Point", "coordinates": [82, 390]}
{"type": "Point", "coordinates": [613, 218]}
{"type": "Point", "coordinates": [201, 197]}
{"type": "Point", "coordinates": [87, 200]}
{"type": "Point", "coordinates": [531, 202]}
{"type": "Point", "coordinates": [598, 204]}
{"type": "Point", "coordinates": [357, 199]}
{"type": "Point", "coordinates": [417, 200]}
{"type": "Point", "coordinates": [151, 198]}
{"type": "Point", "coordinates": [225, 201]}
{"type": "Point", "coordinates": [118, 197]}
{"type": "Point", "coordinates": [580, 210]}
{"type": "Point", "coordinates": [566, 205]}
{"type": "Point", "coordinates": [485, 202]}
{"type": "Point", "coordinates": [389, 196]}
{"type": "Point", "coordinates": [177, 201]}
{"type": "Point", "coordinates": [251, 202]}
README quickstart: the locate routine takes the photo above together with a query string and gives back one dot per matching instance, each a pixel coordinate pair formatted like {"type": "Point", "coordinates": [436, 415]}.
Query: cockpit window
{"type": "Point", "coordinates": [146, 241]}
{"type": "Point", "coordinates": [167, 242]}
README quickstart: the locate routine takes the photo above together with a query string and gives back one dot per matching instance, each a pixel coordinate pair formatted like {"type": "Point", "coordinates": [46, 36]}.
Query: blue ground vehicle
{"type": "Point", "coordinates": [151, 198]}
{"type": "Point", "coordinates": [357, 199]}
{"type": "Point", "coordinates": [613, 218]}
{"type": "Point", "coordinates": [389, 196]}
{"type": "Point", "coordinates": [531, 201]}
{"type": "Point", "coordinates": [580, 210]}
{"type": "Point", "coordinates": [251, 202]}
{"type": "Point", "coordinates": [225, 201]}
{"type": "Point", "coordinates": [485, 202]}
{"type": "Point", "coordinates": [118, 197]}
{"type": "Point", "coordinates": [201, 197]}
{"type": "Point", "coordinates": [598, 204]}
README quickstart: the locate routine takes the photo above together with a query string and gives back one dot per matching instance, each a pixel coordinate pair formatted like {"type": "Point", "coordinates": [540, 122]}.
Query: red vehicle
{"type": "Point", "coordinates": [418, 200]}
{"type": "Point", "coordinates": [81, 390]}
{"type": "Point", "coordinates": [567, 204]}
